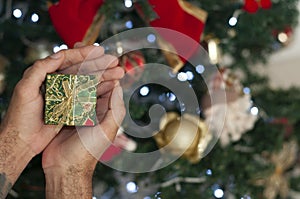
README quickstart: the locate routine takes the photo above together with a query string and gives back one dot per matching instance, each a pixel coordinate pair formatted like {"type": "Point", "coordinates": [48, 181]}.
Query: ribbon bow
{"type": "Point", "coordinates": [277, 182]}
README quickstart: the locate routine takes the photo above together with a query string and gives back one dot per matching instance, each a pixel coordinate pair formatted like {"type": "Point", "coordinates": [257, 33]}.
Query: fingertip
{"type": "Point", "coordinates": [79, 44]}
{"type": "Point", "coordinates": [57, 55]}
{"type": "Point", "coordinates": [122, 73]}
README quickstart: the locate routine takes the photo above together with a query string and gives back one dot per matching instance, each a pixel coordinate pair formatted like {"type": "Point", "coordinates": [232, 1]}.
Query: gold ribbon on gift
{"type": "Point", "coordinates": [277, 182]}
{"type": "Point", "coordinates": [63, 112]}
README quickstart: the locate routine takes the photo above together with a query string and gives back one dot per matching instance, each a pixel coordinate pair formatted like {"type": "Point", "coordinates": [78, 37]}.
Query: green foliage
{"type": "Point", "coordinates": [233, 169]}
{"type": "Point", "coordinates": [252, 40]}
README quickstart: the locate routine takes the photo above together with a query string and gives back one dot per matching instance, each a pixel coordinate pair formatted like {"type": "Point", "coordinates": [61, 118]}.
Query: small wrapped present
{"type": "Point", "coordinates": [70, 99]}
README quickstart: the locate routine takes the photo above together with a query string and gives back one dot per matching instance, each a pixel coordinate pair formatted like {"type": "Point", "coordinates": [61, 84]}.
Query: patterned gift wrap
{"type": "Point", "coordinates": [70, 99]}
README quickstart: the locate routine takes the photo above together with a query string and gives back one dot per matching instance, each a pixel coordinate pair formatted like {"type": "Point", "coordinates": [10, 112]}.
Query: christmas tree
{"type": "Point", "coordinates": [255, 156]}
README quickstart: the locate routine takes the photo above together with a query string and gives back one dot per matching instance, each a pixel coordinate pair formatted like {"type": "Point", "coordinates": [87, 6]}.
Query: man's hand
{"type": "Point", "coordinates": [70, 159]}
{"type": "Point", "coordinates": [25, 113]}
{"type": "Point", "coordinates": [23, 132]}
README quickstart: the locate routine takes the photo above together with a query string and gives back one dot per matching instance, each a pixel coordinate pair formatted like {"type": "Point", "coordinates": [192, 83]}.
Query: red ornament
{"type": "Point", "coordinates": [133, 64]}
{"type": "Point", "coordinates": [72, 18]}
{"type": "Point", "coordinates": [266, 4]}
{"type": "Point", "coordinates": [252, 6]}
{"type": "Point", "coordinates": [121, 143]}
{"type": "Point", "coordinates": [188, 20]}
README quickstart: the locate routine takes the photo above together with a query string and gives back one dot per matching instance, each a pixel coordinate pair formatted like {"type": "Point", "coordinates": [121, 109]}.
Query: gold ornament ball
{"type": "Point", "coordinates": [186, 135]}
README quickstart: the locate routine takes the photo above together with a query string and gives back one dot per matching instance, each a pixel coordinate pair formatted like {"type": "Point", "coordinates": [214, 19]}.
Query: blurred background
{"type": "Point", "coordinates": [254, 43]}
{"type": "Point", "coordinates": [282, 67]}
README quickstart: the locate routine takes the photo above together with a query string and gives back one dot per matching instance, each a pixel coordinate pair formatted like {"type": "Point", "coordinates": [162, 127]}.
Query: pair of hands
{"type": "Point", "coordinates": [62, 146]}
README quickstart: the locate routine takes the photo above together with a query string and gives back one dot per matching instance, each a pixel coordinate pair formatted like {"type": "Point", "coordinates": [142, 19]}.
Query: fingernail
{"type": "Point", "coordinates": [78, 44]}
{"type": "Point", "coordinates": [56, 56]}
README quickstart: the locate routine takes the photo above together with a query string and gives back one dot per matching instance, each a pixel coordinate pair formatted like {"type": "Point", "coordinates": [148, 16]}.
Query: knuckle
{"type": "Point", "coordinates": [19, 89]}
{"type": "Point", "coordinates": [113, 59]}
{"type": "Point", "coordinates": [27, 72]}
{"type": "Point", "coordinates": [39, 63]}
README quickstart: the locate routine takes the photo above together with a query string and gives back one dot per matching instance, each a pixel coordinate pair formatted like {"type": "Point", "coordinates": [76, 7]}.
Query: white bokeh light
{"type": "Point", "coordinates": [129, 24]}
{"type": "Point", "coordinates": [190, 75]}
{"type": "Point", "coordinates": [171, 97]}
{"type": "Point", "coordinates": [35, 17]}
{"type": "Point", "coordinates": [182, 76]}
{"type": "Point", "coordinates": [128, 3]}
{"type": "Point", "coordinates": [200, 69]}
{"type": "Point", "coordinates": [59, 48]}
{"type": "Point", "coordinates": [247, 90]}
{"type": "Point", "coordinates": [254, 110]}
{"type": "Point", "coordinates": [119, 50]}
{"type": "Point", "coordinates": [56, 49]}
{"type": "Point", "coordinates": [151, 38]}
{"type": "Point", "coordinates": [63, 47]}
{"type": "Point", "coordinates": [282, 37]}
{"type": "Point", "coordinates": [219, 193]}
{"type": "Point", "coordinates": [232, 21]}
{"type": "Point", "coordinates": [17, 13]}
{"type": "Point", "coordinates": [131, 187]}
{"type": "Point", "coordinates": [209, 172]}
{"type": "Point", "coordinates": [144, 91]}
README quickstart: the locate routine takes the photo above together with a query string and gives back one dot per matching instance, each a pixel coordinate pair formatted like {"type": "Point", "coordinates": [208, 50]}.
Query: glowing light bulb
{"type": "Point", "coordinates": [129, 24]}
{"type": "Point", "coordinates": [56, 49]}
{"type": "Point", "coordinates": [63, 47]}
{"type": "Point", "coordinates": [119, 50]}
{"type": "Point", "coordinates": [35, 17]}
{"type": "Point", "coordinates": [200, 69]}
{"type": "Point", "coordinates": [282, 37]}
{"type": "Point", "coordinates": [254, 110]}
{"type": "Point", "coordinates": [17, 13]}
{"type": "Point", "coordinates": [213, 51]}
{"type": "Point", "coordinates": [219, 193]}
{"type": "Point", "coordinates": [128, 3]}
{"type": "Point", "coordinates": [131, 187]}
{"type": "Point", "coordinates": [171, 97]}
{"type": "Point", "coordinates": [151, 38]}
{"type": "Point", "coordinates": [209, 172]}
{"type": "Point", "coordinates": [182, 76]}
{"type": "Point", "coordinates": [144, 91]}
{"type": "Point", "coordinates": [233, 21]}
{"type": "Point", "coordinates": [246, 90]}
{"type": "Point", "coordinates": [190, 75]}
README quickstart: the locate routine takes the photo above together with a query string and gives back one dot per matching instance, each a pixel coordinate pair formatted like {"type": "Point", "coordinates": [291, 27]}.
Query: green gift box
{"type": "Point", "coordinates": [70, 100]}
